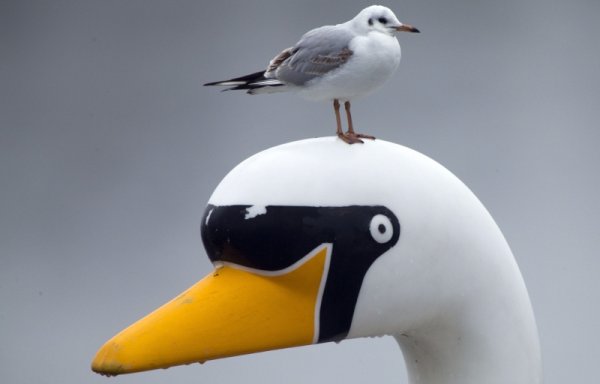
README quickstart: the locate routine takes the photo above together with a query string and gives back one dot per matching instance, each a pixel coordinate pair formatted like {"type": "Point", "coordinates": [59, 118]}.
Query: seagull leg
{"type": "Point", "coordinates": [344, 136]}
{"type": "Point", "coordinates": [351, 134]}
{"type": "Point", "coordinates": [338, 120]}
{"type": "Point", "coordinates": [350, 139]}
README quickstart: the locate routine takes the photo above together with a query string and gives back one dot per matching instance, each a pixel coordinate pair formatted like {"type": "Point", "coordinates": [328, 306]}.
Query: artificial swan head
{"type": "Point", "coordinates": [315, 241]}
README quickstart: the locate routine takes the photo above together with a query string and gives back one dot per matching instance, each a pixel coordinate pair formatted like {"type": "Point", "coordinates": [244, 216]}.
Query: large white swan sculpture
{"type": "Point", "coordinates": [317, 241]}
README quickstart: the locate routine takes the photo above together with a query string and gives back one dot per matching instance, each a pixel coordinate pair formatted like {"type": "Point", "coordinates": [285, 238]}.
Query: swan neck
{"type": "Point", "coordinates": [489, 343]}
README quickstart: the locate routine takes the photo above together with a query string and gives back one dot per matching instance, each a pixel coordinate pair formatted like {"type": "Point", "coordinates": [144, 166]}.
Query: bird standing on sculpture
{"type": "Point", "coordinates": [334, 62]}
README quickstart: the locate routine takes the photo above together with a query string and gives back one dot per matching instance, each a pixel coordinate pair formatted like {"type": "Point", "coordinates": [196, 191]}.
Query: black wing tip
{"type": "Point", "coordinates": [242, 80]}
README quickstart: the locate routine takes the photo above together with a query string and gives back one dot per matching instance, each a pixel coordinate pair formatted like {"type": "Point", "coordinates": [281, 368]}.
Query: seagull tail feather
{"type": "Point", "coordinates": [253, 83]}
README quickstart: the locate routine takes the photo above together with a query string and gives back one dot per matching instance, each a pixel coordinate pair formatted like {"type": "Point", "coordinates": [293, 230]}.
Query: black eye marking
{"type": "Point", "coordinates": [274, 237]}
{"type": "Point", "coordinates": [230, 234]}
{"type": "Point", "coordinates": [382, 20]}
{"type": "Point", "coordinates": [370, 21]}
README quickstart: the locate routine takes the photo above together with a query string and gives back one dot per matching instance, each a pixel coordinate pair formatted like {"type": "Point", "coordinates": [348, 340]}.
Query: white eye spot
{"type": "Point", "coordinates": [381, 228]}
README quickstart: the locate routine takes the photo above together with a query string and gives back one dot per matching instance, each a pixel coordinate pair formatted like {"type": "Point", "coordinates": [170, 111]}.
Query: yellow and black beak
{"type": "Point", "coordinates": [285, 276]}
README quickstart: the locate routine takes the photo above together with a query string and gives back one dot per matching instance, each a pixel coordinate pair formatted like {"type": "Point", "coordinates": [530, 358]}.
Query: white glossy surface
{"type": "Point", "coordinates": [325, 171]}
{"type": "Point", "coordinates": [450, 290]}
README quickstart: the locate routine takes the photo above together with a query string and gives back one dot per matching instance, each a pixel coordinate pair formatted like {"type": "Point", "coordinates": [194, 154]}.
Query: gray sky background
{"type": "Point", "coordinates": [110, 148]}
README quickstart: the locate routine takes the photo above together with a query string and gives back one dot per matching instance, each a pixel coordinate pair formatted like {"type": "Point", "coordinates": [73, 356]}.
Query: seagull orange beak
{"type": "Point", "coordinates": [407, 28]}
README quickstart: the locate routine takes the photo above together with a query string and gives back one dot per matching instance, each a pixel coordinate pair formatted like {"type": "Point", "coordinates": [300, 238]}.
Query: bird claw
{"type": "Point", "coordinates": [349, 138]}
{"type": "Point", "coordinates": [354, 138]}
{"type": "Point", "coordinates": [364, 136]}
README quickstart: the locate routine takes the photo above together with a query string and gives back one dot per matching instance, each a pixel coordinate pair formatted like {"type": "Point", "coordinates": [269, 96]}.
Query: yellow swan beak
{"type": "Point", "coordinates": [233, 311]}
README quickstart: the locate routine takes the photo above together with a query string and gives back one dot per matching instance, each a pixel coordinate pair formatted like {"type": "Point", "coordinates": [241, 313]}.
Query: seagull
{"type": "Point", "coordinates": [334, 63]}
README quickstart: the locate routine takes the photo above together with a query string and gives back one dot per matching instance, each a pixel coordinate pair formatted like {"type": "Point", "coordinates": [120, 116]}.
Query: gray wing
{"type": "Point", "coordinates": [318, 52]}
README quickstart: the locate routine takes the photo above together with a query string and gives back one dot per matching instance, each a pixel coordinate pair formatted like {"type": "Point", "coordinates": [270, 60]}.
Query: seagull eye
{"type": "Point", "coordinates": [382, 20]}
{"type": "Point", "coordinates": [381, 228]}
{"type": "Point", "coordinates": [370, 21]}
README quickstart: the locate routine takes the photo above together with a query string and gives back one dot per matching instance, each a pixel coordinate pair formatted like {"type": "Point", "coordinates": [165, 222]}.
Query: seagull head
{"type": "Point", "coordinates": [380, 19]}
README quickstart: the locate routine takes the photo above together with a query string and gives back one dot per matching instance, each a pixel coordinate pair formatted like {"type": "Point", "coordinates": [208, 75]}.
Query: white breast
{"type": "Point", "coordinates": [376, 57]}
